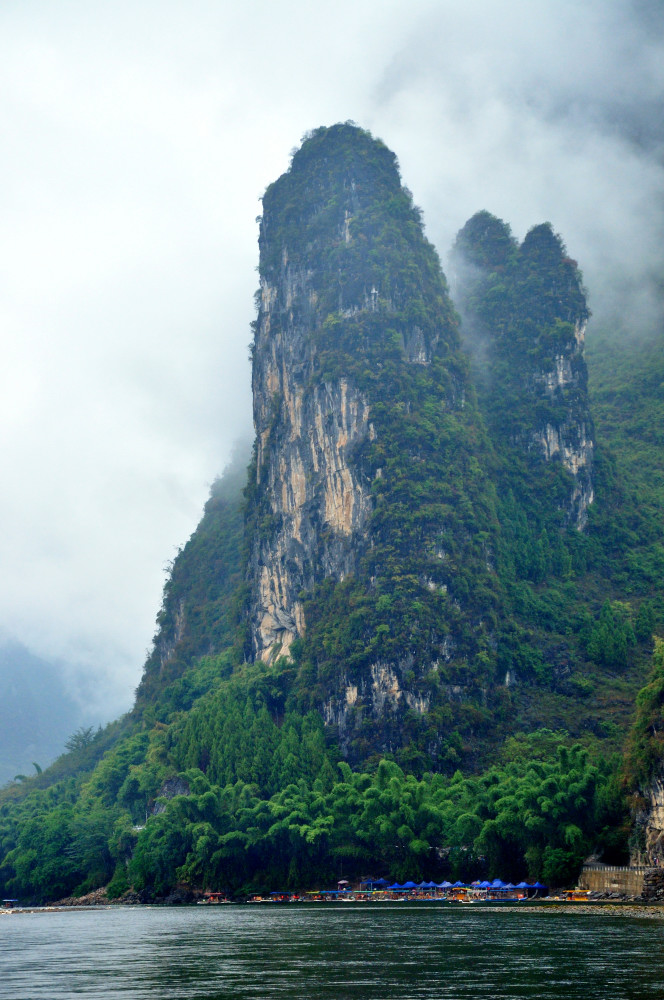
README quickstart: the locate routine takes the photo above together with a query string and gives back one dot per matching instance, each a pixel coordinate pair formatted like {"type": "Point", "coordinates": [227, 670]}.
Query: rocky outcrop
{"type": "Point", "coordinates": [643, 765]}
{"type": "Point", "coordinates": [380, 692]}
{"type": "Point", "coordinates": [169, 789]}
{"type": "Point", "coordinates": [168, 637]}
{"type": "Point", "coordinates": [318, 505]}
{"type": "Point", "coordinates": [524, 317]}
{"type": "Point", "coordinates": [653, 885]}
{"type": "Point", "coordinates": [370, 452]}
{"type": "Point", "coordinates": [570, 437]}
{"type": "Point", "coordinates": [315, 502]}
{"type": "Point", "coordinates": [649, 825]}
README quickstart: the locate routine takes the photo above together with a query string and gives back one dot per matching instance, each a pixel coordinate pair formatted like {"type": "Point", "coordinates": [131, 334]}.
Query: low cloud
{"type": "Point", "coordinates": [541, 112]}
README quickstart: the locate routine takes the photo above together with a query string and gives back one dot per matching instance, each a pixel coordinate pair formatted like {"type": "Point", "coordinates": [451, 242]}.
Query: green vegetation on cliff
{"type": "Point", "coordinates": [520, 640]}
{"type": "Point", "coordinates": [424, 601]}
{"type": "Point", "coordinates": [577, 627]}
{"type": "Point", "coordinates": [644, 752]}
{"type": "Point", "coordinates": [203, 599]}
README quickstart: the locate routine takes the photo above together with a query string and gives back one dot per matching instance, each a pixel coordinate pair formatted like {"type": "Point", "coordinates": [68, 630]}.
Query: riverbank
{"type": "Point", "coordinates": [647, 911]}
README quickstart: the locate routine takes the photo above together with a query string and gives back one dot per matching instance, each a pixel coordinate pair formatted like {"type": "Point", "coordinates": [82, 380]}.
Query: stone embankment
{"type": "Point", "coordinates": [614, 881]}
{"type": "Point", "coordinates": [623, 883]}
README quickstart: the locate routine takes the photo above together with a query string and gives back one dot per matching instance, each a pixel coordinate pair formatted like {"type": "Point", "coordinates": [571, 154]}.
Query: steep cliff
{"type": "Point", "coordinates": [373, 566]}
{"type": "Point", "coordinates": [525, 316]}
{"type": "Point", "coordinates": [371, 514]}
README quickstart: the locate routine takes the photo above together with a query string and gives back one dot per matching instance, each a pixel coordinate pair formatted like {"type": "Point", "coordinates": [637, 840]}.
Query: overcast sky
{"type": "Point", "coordinates": [137, 140]}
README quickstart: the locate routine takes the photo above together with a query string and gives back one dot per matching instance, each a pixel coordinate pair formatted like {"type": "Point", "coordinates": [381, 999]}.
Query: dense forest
{"type": "Point", "coordinates": [505, 579]}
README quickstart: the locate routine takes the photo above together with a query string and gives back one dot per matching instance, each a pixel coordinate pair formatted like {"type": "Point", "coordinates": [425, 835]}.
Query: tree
{"type": "Point", "coordinates": [81, 739]}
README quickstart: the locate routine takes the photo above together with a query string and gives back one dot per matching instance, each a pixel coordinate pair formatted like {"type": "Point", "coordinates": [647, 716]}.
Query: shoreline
{"type": "Point", "coordinates": [615, 908]}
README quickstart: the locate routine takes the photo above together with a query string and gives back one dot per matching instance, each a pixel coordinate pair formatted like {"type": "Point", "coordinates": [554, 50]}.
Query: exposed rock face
{"type": "Point", "coordinates": [315, 500]}
{"type": "Point", "coordinates": [653, 884]}
{"type": "Point", "coordinates": [368, 470]}
{"type": "Point", "coordinates": [168, 638]}
{"type": "Point", "coordinates": [649, 824]}
{"type": "Point", "coordinates": [644, 765]}
{"type": "Point", "coordinates": [170, 788]}
{"type": "Point", "coordinates": [525, 317]}
{"type": "Point", "coordinates": [379, 693]}
{"type": "Point", "coordinates": [318, 503]}
{"type": "Point", "coordinates": [570, 438]}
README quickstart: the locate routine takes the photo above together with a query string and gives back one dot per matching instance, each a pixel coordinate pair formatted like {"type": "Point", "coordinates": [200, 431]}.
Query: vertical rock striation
{"type": "Point", "coordinates": [314, 500]}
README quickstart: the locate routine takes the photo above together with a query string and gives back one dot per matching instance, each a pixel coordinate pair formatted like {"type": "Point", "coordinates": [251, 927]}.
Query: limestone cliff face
{"type": "Point", "coordinates": [380, 693]}
{"type": "Point", "coordinates": [370, 514]}
{"type": "Point", "coordinates": [649, 825]}
{"type": "Point", "coordinates": [525, 317]}
{"type": "Point", "coordinates": [316, 501]}
{"type": "Point", "coordinates": [568, 435]}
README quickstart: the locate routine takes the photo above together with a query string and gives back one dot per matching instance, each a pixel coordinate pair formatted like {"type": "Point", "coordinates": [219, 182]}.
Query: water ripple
{"type": "Point", "coordinates": [355, 953]}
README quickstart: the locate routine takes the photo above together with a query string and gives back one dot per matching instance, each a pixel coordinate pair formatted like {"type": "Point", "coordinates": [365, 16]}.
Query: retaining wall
{"type": "Point", "coordinates": [611, 878]}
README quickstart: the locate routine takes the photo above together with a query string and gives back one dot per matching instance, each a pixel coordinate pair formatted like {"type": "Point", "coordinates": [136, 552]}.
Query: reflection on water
{"type": "Point", "coordinates": [356, 952]}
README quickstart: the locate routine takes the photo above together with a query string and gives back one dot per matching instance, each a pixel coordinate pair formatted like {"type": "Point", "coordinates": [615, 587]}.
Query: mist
{"type": "Point", "coordinates": [138, 139]}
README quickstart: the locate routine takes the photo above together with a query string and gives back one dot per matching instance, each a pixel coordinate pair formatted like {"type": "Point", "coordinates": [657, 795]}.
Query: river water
{"type": "Point", "coordinates": [358, 952]}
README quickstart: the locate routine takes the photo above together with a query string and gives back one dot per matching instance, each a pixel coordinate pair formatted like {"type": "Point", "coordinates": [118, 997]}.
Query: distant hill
{"type": "Point", "coordinates": [37, 714]}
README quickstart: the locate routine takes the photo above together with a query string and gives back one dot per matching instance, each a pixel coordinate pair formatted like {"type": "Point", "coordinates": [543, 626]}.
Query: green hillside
{"type": "Point", "coordinates": [508, 619]}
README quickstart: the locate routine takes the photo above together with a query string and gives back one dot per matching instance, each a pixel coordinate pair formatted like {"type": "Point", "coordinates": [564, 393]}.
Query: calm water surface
{"type": "Point", "coordinates": [346, 954]}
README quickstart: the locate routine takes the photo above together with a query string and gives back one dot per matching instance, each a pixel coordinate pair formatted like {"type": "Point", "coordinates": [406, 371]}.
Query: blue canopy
{"type": "Point", "coordinates": [459, 885]}
{"type": "Point", "coordinates": [444, 885]}
{"type": "Point", "coordinates": [538, 885]}
{"type": "Point", "coordinates": [485, 885]}
{"type": "Point", "coordinates": [497, 883]}
{"type": "Point", "coordinates": [395, 886]}
{"type": "Point", "coordinates": [409, 885]}
{"type": "Point", "coordinates": [524, 885]}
